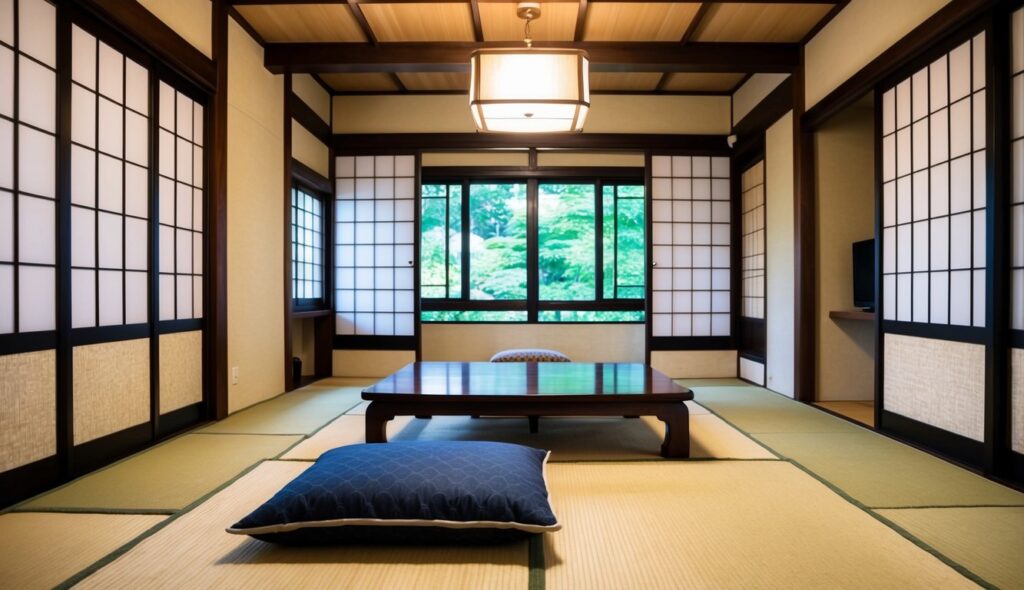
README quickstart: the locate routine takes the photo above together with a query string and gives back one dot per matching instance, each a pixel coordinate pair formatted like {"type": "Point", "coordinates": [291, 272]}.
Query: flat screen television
{"type": "Point", "coordinates": [864, 275]}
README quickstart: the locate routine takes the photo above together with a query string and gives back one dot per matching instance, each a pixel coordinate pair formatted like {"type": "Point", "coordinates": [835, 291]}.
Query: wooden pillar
{"type": "Point", "coordinates": [804, 260]}
{"type": "Point", "coordinates": [216, 337]}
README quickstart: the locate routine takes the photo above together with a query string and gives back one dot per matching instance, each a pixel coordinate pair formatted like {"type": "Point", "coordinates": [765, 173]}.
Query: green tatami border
{"type": "Point", "coordinates": [88, 571]}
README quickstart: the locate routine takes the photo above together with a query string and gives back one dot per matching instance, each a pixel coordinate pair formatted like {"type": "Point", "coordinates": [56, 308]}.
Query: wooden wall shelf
{"type": "Point", "coordinates": [852, 314]}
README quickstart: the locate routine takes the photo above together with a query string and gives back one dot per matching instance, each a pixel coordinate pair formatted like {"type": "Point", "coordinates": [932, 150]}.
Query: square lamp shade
{"type": "Point", "coordinates": [527, 90]}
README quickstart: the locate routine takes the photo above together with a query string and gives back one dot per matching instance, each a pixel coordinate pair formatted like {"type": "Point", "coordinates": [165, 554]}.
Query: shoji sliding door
{"type": "Point", "coordinates": [179, 284]}
{"type": "Point", "coordinates": [376, 298]}
{"type": "Point", "coordinates": [28, 244]}
{"type": "Point", "coordinates": [691, 258]}
{"type": "Point", "coordinates": [110, 197]}
{"type": "Point", "coordinates": [1016, 63]}
{"type": "Point", "coordinates": [935, 202]}
{"type": "Point", "coordinates": [102, 254]}
{"type": "Point", "coordinates": [752, 272]}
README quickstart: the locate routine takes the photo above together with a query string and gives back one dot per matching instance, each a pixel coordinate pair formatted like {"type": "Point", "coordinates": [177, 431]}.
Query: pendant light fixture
{"type": "Point", "coordinates": [529, 90]}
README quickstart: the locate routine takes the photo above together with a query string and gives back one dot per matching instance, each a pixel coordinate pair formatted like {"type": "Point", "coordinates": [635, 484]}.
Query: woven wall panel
{"type": "Point", "coordinates": [181, 370]}
{"type": "Point", "coordinates": [28, 408]}
{"type": "Point", "coordinates": [111, 388]}
{"type": "Point", "coordinates": [938, 382]}
{"type": "Point", "coordinates": [1017, 400]}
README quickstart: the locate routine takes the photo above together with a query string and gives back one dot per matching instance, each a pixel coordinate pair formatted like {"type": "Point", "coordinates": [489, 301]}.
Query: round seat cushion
{"type": "Point", "coordinates": [530, 355]}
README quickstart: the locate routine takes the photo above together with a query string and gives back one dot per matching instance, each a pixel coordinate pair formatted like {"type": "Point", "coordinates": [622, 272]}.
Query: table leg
{"type": "Point", "coordinates": [677, 431]}
{"type": "Point", "coordinates": [377, 419]}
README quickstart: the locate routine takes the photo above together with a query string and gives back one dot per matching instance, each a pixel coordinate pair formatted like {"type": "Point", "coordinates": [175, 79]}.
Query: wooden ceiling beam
{"type": "Point", "coordinates": [357, 12]}
{"type": "Point", "coordinates": [831, 14]}
{"type": "Point", "coordinates": [604, 56]}
{"type": "Point", "coordinates": [687, 35]}
{"type": "Point", "coordinates": [581, 21]}
{"type": "Point", "coordinates": [695, 23]}
{"type": "Point", "coordinates": [398, 82]}
{"type": "Point", "coordinates": [478, 28]}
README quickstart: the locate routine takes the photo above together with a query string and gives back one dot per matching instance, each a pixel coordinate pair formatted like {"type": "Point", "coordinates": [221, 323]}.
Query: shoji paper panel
{"type": "Point", "coordinates": [111, 388]}
{"type": "Point", "coordinates": [28, 416]}
{"type": "Point", "coordinates": [934, 192]}
{"type": "Point", "coordinates": [753, 243]}
{"type": "Point", "coordinates": [691, 246]}
{"type": "Point", "coordinates": [28, 120]}
{"type": "Point", "coordinates": [307, 246]}
{"type": "Point", "coordinates": [752, 371]}
{"type": "Point", "coordinates": [937, 382]}
{"type": "Point", "coordinates": [182, 204]}
{"type": "Point", "coordinates": [375, 245]}
{"type": "Point", "coordinates": [1017, 169]}
{"type": "Point", "coordinates": [181, 370]}
{"type": "Point", "coordinates": [1017, 400]}
{"type": "Point", "coordinates": [110, 185]}
{"type": "Point", "coordinates": [1017, 226]}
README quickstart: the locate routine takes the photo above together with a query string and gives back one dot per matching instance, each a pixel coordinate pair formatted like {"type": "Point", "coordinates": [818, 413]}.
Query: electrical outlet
{"type": "Point", "coordinates": [234, 375]}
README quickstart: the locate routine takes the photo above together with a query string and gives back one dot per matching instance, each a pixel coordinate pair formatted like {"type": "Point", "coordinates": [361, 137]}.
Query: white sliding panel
{"type": "Point", "coordinates": [934, 262]}
{"type": "Point", "coordinates": [1017, 171]}
{"type": "Point", "coordinates": [375, 245]}
{"type": "Point", "coordinates": [110, 185]}
{"type": "Point", "coordinates": [1017, 228]}
{"type": "Point", "coordinates": [753, 242]}
{"type": "Point", "coordinates": [691, 235]}
{"type": "Point", "coordinates": [180, 189]}
{"type": "Point", "coordinates": [28, 208]}
{"type": "Point", "coordinates": [934, 192]}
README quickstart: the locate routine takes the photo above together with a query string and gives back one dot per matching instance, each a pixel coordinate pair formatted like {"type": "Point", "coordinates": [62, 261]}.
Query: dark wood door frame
{"type": "Point", "coordinates": [298, 174]}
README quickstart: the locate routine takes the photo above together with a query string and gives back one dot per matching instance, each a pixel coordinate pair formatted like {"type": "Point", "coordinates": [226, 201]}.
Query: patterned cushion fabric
{"type": "Point", "coordinates": [530, 355]}
{"type": "Point", "coordinates": [410, 492]}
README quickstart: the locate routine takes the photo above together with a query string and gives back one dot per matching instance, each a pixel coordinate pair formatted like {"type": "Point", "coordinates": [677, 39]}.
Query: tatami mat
{"type": "Point", "coordinates": [167, 477]}
{"type": "Point", "coordinates": [861, 411]}
{"type": "Point", "coordinates": [41, 550]}
{"type": "Point", "coordinates": [348, 429]}
{"type": "Point", "coordinates": [873, 469]}
{"type": "Point", "coordinates": [988, 541]}
{"type": "Point", "coordinates": [195, 552]}
{"type": "Point", "coordinates": [722, 524]}
{"type": "Point", "coordinates": [723, 382]}
{"type": "Point", "coordinates": [302, 411]}
{"type": "Point", "coordinates": [757, 410]}
{"type": "Point", "coordinates": [569, 439]}
{"type": "Point", "coordinates": [882, 473]}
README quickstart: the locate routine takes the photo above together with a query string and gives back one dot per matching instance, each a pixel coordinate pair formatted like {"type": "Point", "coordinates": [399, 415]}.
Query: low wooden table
{"type": "Point", "coordinates": [531, 389]}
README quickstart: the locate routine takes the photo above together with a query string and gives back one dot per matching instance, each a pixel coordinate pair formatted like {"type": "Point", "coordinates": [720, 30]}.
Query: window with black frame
{"type": "Point", "coordinates": [533, 251]}
{"type": "Point", "coordinates": [307, 249]}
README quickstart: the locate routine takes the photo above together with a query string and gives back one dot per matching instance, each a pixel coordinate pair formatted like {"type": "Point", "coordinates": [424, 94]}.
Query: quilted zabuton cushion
{"type": "Point", "coordinates": [410, 492]}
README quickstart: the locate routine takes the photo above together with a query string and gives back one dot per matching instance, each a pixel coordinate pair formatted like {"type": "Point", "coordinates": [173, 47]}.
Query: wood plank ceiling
{"type": "Point", "coordinates": [636, 46]}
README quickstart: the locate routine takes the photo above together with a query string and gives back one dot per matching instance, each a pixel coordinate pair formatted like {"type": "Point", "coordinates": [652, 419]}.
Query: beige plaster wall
{"type": "Point", "coordinates": [857, 35]}
{"type": "Point", "coordinates": [255, 222]}
{"type": "Point", "coordinates": [844, 159]}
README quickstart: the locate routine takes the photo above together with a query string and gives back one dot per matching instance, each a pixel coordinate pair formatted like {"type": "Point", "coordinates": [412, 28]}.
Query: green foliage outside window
{"type": "Point", "coordinates": [567, 241]}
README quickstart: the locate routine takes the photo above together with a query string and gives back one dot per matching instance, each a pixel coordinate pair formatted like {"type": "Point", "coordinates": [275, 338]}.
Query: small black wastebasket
{"type": "Point", "coordinates": [296, 371]}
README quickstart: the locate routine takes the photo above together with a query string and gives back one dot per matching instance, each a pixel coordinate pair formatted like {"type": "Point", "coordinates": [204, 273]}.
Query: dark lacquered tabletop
{"type": "Point", "coordinates": [537, 382]}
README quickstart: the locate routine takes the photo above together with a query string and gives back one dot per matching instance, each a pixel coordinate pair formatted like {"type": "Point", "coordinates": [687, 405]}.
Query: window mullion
{"type": "Point", "coordinates": [598, 241]}
{"type": "Point", "coordinates": [614, 243]}
{"type": "Point", "coordinates": [466, 231]}
{"type": "Point", "coordinates": [532, 251]}
{"type": "Point", "coordinates": [447, 240]}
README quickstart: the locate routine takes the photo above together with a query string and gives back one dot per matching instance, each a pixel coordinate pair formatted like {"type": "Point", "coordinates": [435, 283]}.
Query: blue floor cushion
{"type": "Point", "coordinates": [410, 493]}
{"type": "Point", "coordinates": [530, 355]}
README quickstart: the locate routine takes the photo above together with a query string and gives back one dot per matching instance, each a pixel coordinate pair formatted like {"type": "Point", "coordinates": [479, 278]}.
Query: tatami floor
{"type": "Point", "coordinates": [777, 494]}
{"type": "Point", "coordinates": [861, 411]}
